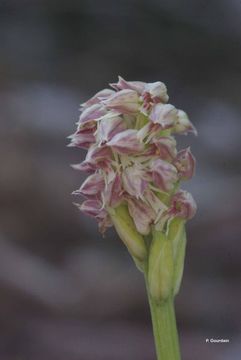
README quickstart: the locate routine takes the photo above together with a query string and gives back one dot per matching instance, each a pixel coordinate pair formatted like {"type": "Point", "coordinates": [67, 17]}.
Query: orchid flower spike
{"type": "Point", "coordinates": [133, 161]}
{"type": "Point", "coordinates": [134, 176]}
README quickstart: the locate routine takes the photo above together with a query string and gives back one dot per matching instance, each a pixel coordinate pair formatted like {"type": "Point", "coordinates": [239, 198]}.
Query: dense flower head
{"type": "Point", "coordinates": [132, 158]}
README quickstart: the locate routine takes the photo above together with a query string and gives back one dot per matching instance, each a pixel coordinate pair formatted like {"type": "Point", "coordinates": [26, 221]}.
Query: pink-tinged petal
{"type": "Point", "coordinates": [92, 113]}
{"type": "Point", "coordinates": [93, 185]}
{"type": "Point", "coordinates": [97, 154]}
{"type": "Point", "coordinates": [183, 124]}
{"type": "Point", "coordinates": [164, 115]}
{"type": "Point", "coordinates": [134, 182]}
{"type": "Point", "coordinates": [92, 208]}
{"type": "Point", "coordinates": [112, 194]}
{"type": "Point", "coordinates": [157, 90]}
{"type": "Point", "coordinates": [153, 93]}
{"type": "Point", "coordinates": [157, 205]}
{"type": "Point", "coordinates": [142, 215]}
{"type": "Point", "coordinates": [148, 130]}
{"type": "Point", "coordinates": [109, 127]}
{"type": "Point", "coordinates": [101, 95]}
{"type": "Point", "coordinates": [185, 164]}
{"type": "Point", "coordinates": [122, 84]}
{"type": "Point", "coordinates": [82, 138]}
{"type": "Point", "coordinates": [183, 205]}
{"type": "Point", "coordinates": [126, 142]}
{"type": "Point", "coordinates": [164, 174]}
{"type": "Point", "coordinates": [165, 147]}
{"type": "Point", "coordinates": [97, 157]}
{"type": "Point", "coordinates": [126, 101]}
{"type": "Point", "coordinates": [84, 166]}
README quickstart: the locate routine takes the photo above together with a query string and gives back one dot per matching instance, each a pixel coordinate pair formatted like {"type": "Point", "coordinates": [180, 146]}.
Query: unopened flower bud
{"type": "Point", "coordinates": [177, 236]}
{"type": "Point", "coordinates": [126, 230]}
{"type": "Point", "coordinates": [160, 267]}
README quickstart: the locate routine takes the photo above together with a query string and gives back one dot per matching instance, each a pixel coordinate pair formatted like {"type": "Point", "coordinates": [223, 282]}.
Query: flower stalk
{"type": "Point", "coordinates": [135, 172]}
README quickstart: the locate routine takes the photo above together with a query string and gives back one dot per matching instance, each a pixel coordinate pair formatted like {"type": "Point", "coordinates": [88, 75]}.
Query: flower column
{"type": "Point", "coordinates": [135, 172]}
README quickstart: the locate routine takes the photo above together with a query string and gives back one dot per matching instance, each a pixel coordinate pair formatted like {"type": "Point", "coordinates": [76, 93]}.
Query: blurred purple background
{"type": "Point", "coordinates": [66, 293]}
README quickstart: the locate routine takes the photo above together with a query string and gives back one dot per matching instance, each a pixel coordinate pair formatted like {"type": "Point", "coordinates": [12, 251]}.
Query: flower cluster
{"type": "Point", "coordinates": [132, 158]}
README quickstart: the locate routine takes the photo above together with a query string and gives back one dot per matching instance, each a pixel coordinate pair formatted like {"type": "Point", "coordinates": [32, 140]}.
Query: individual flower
{"type": "Point", "coordinates": [164, 174]}
{"type": "Point", "coordinates": [126, 101]}
{"type": "Point", "coordinates": [164, 115]}
{"type": "Point", "coordinates": [185, 164]}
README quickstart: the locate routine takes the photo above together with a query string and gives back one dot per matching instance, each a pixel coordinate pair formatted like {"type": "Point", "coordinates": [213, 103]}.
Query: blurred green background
{"type": "Point", "coordinates": [65, 292]}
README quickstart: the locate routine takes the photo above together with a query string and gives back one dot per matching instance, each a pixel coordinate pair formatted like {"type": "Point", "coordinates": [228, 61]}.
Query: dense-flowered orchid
{"type": "Point", "coordinates": [135, 172]}
{"type": "Point", "coordinates": [128, 132]}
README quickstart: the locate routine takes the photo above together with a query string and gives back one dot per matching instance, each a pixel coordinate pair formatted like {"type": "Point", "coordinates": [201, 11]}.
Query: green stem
{"type": "Point", "coordinates": [164, 329]}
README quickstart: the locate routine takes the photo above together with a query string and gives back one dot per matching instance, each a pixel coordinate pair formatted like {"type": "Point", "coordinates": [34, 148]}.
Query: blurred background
{"type": "Point", "coordinates": [65, 292]}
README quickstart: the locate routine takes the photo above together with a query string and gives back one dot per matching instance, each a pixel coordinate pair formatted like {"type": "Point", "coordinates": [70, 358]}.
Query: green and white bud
{"type": "Point", "coordinates": [160, 267]}
{"type": "Point", "coordinates": [126, 230]}
{"type": "Point", "coordinates": [177, 236]}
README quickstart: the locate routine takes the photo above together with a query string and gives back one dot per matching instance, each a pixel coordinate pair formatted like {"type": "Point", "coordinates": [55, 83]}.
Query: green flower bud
{"type": "Point", "coordinates": [160, 267]}
{"type": "Point", "coordinates": [177, 236]}
{"type": "Point", "coordinates": [126, 230]}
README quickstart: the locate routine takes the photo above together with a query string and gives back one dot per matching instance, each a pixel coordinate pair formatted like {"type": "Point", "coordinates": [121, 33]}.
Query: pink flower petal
{"type": "Point", "coordinates": [99, 154]}
{"type": "Point", "coordinates": [82, 138]}
{"type": "Point", "coordinates": [165, 147]}
{"type": "Point", "coordinates": [93, 185]}
{"type": "Point", "coordinates": [126, 101]}
{"type": "Point", "coordinates": [92, 207]}
{"type": "Point", "coordinates": [183, 124]}
{"type": "Point", "coordinates": [142, 215]}
{"type": "Point", "coordinates": [109, 127]}
{"type": "Point", "coordinates": [164, 114]}
{"type": "Point", "coordinates": [92, 113]}
{"type": "Point", "coordinates": [183, 205]}
{"type": "Point", "coordinates": [113, 191]}
{"type": "Point", "coordinates": [84, 166]}
{"type": "Point", "coordinates": [185, 164]}
{"type": "Point", "coordinates": [101, 95]}
{"type": "Point", "coordinates": [157, 91]}
{"type": "Point", "coordinates": [122, 84]}
{"type": "Point", "coordinates": [164, 174]}
{"type": "Point", "coordinates": [126, 142]}
{"type": "Point", "coordinates": [133, 181]}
